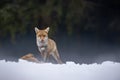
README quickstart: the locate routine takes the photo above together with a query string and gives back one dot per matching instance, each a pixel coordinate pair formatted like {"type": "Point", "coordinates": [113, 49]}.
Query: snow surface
{"type": "Point", "coordinates": [24, 70]}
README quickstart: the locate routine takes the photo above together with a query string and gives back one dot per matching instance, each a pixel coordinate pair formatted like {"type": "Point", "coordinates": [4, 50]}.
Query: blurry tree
{"type": "Point", "coordinates": [18, 17]}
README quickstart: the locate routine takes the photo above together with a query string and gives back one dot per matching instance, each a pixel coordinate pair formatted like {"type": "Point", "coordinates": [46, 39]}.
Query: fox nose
{"type": "Point", "coordinates": [42, 40]}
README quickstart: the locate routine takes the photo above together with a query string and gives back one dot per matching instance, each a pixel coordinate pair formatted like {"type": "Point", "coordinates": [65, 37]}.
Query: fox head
{"type": "Point", "coordinates": [42, 35]}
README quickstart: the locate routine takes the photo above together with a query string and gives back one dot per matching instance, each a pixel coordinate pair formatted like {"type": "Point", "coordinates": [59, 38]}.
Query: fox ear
{"type": "Point", "coordinates": [47, 29]}
{"type": "Point", "coordinates": [36, 29]}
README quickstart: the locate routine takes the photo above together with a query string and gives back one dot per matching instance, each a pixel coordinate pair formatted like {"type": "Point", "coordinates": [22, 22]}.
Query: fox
{"type": "Point", "coordinates": [46, 46]}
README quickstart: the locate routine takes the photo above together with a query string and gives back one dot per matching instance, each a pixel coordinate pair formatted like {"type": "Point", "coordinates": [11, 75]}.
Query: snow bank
{"type": "Point", "coordinates": [24, 70]}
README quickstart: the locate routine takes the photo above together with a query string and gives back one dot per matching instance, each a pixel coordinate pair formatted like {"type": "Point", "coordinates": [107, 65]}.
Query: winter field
{"type": "Point", "coordinates": [24, 70]}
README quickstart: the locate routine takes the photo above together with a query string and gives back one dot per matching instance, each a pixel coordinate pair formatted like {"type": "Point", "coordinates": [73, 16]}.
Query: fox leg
{"type": "Point", "coordinates": [43, 54]}
{"type": "Point", "coordinates": [46, 57]}
{"type": "Point", "coordinates": [57, 57]}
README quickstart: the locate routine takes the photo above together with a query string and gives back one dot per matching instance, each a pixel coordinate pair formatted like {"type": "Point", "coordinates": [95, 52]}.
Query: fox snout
{"type": "Point", "coordinates": [43, 39]}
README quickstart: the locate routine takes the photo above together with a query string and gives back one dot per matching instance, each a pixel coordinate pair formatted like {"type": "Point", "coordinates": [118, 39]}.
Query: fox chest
{"type": "Point", "coordinates": [42, 47]}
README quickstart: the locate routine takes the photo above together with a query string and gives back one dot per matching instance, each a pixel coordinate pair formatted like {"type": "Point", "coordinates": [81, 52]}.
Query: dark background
{"type": "Point", "coordinates": [86, 31]}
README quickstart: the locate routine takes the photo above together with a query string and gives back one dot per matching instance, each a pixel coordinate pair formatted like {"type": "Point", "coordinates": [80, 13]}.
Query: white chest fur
{"type": "Point", "coordinates": [41, 45]}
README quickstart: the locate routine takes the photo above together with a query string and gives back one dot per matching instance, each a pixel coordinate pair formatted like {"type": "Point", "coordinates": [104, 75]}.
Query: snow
{"type": "Point", "coordinates": [24, 70]}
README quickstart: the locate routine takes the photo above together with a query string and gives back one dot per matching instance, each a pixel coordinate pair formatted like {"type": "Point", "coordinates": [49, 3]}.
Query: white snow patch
{"type": "Point", "coordinates": [24, 70]}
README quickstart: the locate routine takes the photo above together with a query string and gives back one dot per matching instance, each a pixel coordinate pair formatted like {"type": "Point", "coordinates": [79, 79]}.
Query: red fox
{"type": "Point", "coordinates": [46, 46]}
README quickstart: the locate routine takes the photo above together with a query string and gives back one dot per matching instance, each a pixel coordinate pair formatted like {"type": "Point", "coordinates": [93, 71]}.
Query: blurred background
{"type": "Point", "coordinates": [86, 31]}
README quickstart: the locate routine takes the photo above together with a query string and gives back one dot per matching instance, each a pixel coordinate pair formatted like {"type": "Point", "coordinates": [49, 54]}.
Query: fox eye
{"type": "Point", "coordinates": [43, 35]}
{"type": "Point", "coordinates": [39, 35]}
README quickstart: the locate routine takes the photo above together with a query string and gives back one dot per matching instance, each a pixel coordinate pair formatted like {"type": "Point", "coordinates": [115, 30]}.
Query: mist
{"type": "Point", "coordinates": [81, 49]}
